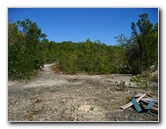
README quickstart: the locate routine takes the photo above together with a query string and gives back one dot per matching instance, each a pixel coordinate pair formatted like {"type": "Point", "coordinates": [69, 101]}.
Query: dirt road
{"type": "Point", "coordinates": [57, 97]}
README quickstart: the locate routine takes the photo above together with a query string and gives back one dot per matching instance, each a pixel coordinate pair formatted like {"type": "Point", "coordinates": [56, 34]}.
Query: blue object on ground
{"type": "Point", "coordinates": [150, 105]}
{"type": "Point", "coordinates": [138, 108]}
{"type": "Point", "coordinates": [136, 105]}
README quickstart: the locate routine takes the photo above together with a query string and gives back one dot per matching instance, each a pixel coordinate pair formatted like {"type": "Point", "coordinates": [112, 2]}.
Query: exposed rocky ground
{"type": "Point", "coordinates": [54, 97]}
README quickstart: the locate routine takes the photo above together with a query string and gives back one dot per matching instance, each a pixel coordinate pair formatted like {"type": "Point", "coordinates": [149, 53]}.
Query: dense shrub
{"type": "Point", "coordinates": [28, 50]}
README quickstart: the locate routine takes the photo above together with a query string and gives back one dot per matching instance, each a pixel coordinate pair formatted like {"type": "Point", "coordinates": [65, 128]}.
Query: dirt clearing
{"type": "Point", "coordinates": [51, 96]}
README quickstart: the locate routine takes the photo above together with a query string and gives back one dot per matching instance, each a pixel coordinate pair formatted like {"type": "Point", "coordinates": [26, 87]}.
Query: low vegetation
{"type": "Point", "coordinates": [122, 85]}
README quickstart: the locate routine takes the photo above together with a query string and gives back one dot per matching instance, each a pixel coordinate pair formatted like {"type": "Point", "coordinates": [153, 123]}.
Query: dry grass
{"type": "Point", "coordinates": [55, 69]}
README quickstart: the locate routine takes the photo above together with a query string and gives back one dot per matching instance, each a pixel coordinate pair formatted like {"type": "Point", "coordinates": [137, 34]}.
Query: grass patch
{"type": "Point", "coordinates": [122, 85]}
{"type": "Point", "coordinates": [92, 108]}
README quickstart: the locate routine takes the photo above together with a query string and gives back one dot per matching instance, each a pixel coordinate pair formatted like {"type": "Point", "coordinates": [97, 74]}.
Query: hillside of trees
{"type": "Point", "coordinates": [29, 50]}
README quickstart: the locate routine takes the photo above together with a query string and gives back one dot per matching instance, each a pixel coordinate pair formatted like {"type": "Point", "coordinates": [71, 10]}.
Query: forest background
{"type": "Point", "coordinates": [29, 49]}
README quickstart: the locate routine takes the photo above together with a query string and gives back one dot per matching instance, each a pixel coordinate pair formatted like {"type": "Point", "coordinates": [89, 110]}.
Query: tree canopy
{"type": "Point", "coordinates": [29, 49]}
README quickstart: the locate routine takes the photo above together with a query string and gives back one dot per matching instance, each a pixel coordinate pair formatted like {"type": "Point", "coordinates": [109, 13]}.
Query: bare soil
{"type": "Point", "coordinates": [54, 97]}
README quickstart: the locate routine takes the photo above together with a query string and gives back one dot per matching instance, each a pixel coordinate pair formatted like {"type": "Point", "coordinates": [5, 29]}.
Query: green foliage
{"type": "Point", "coordinates": [143, 46]}
{"type": "Point", "coordinates": [29, 50]}
{"type": "Point", "coordinates": [89, 57]}
{"type": "Point", "coordinates": [92, 108]}
{"type": "Point", "coordinates": [19, 67]}
{"type": "Point", "coordinates": [24, 53]}
{"type": "Point", "coordinates": [122, 85]}
{"type": "Point", "coordinates": [142, 83]}
{"type": "Point", "coordinates": [140, 51]}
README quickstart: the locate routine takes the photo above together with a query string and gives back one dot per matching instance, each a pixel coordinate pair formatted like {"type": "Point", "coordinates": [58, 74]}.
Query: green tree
{"type": "Point", "coordinates": [144, 43]}
{"type": "Point", "coordinates": [14, 35]}
{"type": "Point", "coordinates": [24, 49]}
{"type": "Point", "coordinates": [33, 36]}
{"type": "Point", "coordinates": [120, 58]}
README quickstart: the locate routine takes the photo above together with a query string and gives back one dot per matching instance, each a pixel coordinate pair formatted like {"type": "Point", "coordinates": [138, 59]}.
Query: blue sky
{"type": "Point", "coordinates": [79, 24]}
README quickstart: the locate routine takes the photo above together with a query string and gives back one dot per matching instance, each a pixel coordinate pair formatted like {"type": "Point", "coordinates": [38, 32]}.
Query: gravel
{"type": "Point", "coordinates": [55, 97]}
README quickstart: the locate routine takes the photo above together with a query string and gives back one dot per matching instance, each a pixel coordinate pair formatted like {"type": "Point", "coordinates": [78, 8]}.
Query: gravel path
{"type": "Point", "coordinates": [57, 97]}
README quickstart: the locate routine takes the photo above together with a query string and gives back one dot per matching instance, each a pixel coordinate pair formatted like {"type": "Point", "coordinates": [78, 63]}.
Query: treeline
{"type": "Point", "coordinates": [29, 50]}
